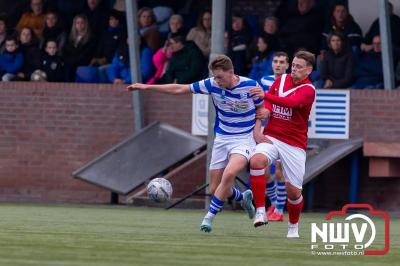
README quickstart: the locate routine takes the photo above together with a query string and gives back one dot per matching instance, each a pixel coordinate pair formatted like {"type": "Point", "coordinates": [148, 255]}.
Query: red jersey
{"type": "Point", "coordinates": [290, 105]}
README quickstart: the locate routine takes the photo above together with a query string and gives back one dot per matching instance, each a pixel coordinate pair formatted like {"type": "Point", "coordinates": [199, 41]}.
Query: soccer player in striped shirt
{"type": "Point", "coordinates": [234, 128]}
{"type": "Point", "coordinates": [289, 101]}
{"type": "Point", "coordinates": [276, 191]}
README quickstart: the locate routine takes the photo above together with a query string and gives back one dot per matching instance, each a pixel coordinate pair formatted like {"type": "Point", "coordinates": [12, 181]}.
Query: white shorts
{"type": "Point", "coordinates": [293, 159]}
{"type": "Point", "coordinates": [225, 146]}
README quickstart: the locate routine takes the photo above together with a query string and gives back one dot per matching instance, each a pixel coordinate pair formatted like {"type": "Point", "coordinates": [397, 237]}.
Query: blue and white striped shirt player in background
{"type": "Point", "coordinates": [234, 131]}
{"type": "Point", "coordinates": [276, 189]}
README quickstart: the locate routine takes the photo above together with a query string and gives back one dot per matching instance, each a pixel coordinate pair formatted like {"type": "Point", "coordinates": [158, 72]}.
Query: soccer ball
{"type": "Point", "coordinates": [159, 189]}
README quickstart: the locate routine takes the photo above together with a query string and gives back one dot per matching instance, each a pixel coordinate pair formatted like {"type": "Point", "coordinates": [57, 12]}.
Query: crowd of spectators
{"type": "Point", "coordinates": [86, 41]}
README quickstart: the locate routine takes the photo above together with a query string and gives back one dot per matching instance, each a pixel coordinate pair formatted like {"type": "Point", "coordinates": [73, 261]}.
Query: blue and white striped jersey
{"type": "Point", "coordinates": [267, 81]}
{"type": "Point", "coordinates": [235, 109]}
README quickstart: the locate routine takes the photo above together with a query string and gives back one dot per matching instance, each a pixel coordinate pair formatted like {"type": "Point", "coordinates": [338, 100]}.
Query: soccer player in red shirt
{"type": "Point", "coordinates": [289, 102]}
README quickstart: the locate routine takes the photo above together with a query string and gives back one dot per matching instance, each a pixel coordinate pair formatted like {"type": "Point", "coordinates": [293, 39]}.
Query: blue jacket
{"type": "Point", "coordinates": [11, 62]}
{"type": "Point", "coordinates": [120, 68]}
{"type": "Point", "coordinates": [262, 67]}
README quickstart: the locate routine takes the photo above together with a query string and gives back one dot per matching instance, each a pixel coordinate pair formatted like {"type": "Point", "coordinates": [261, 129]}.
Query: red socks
{"type": "Point", "coordinates": [294, 208]}
{"type": "Point", "coordinates": [258, 183]}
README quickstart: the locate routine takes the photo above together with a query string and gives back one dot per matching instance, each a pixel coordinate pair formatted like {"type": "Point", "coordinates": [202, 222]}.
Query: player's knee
{"type": "Point", "coordinates": [292, 192]}
{"type": "Point", "coordinates": [258, 160]}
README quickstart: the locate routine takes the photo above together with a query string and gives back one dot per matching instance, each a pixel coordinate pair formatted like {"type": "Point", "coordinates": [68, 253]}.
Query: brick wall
{"type": "Point", "coordinates": [49, 130]}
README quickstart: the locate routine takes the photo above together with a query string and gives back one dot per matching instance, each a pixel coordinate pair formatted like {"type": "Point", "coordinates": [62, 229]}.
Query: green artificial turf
{"type": "Point", "coordinates": [111, 235]}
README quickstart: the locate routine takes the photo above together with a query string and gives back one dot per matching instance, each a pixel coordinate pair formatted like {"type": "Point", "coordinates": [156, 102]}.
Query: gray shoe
{"type": "Point", "coordinates": [247, 203]}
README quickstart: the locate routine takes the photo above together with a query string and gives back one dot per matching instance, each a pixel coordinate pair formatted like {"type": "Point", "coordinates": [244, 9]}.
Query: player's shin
{"type": "Point", "coordinates": [294, 208]}
{"type": "Point", "coordinates": [258, 184]}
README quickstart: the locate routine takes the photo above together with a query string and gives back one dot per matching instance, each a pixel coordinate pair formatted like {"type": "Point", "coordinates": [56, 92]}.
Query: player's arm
{"type": "Point", "coordinates": [164, 88]}
{"type": "Point", "coordinates": [300, 98]}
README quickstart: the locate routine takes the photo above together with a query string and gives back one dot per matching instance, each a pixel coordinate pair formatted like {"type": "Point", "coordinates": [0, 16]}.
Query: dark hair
{"type": "Point", "coordinates": [280, 53]}
{"type": "Point", "coordinates": [337, 34]}
{"type": "Point", "coordinates": [177, 37]}
{"type": "Point", "coordinates": [11, 38]}
{"type": "Point", "coordinates": [306, 56]}
{"type": "Point", "coordinates": [200, 19]}
{"type": "Point", "coordinates": [221, 62]}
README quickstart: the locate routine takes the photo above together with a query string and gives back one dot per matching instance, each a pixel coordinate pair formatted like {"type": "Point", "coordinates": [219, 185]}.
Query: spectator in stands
{"type": "Point", "coordinates": [238, 41]}
{"type": "Point", "coordinates": [109, 42]}
{"type": "Point", "coordinates": [342, 21]}
{"type": "Point", "coordinates": [176, 23]}
{"type": "Point", "coordinates": [262, 63]}
{"type": "Point", "coordinates": [367, 44]}
{"type": "Point", "coordinates": [160, 60]}
{"type": "Point", "coordinates": [51, 63]}
{"type": "Point", "coordinates": [148, 28]}
{"type": "Point", "coordinates": [80, 46]}
{"type": "Point", "coordinates": [270, 28]}
{"type": "Point", "coordinates": [368, 72]}
{"type": "Point", "coordinates": [186, 64]}
{"type": "Point", "coordinates": [33, 19]}
{"type": "Point", "coordinates": [338, 64]}
{"type": "Point", "coordinates": [97, 17]}
{"type": "Point", "coordinates": [30, 49]}
{"type": "Point", "coordinates": [53, 30]}
{"type": "Point", "coordinates": [68, 10]}
{"type": "Point", "coordinates": [11, 60]}
{"type": "Point", "coordinates": [302, 28]}
{"type": "Point", "coordinates": [120, 72]}
{"type": "Point", "coordinates": [201, 34]}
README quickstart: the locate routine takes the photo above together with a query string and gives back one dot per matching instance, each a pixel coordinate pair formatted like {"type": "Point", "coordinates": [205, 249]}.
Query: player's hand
{"type": "Point", "coordinates": [262, 113]}
{"type": "Point", "coordinates": [258, 92]}
{"type": "Point", "coordinates": [261, 138]}
{"type": "Point", "coordinates": [136, 87]}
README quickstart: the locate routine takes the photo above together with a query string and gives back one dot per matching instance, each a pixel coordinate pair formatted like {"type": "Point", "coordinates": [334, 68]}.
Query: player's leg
{"type": "Point", "coordinates": [215, 204]}
{"type": "Point", "coordinates": [219, 160]}
{"type": "Point", "coordinates": [264, 154]}
{"type": "Point", "coordinates": [224, 189]}
{"type": "Point", "coordinates": [277, 214]}
{"type": "Point", "coordinates": [293, 161]}
{"type": "Point", "coordinates": [237, 162]}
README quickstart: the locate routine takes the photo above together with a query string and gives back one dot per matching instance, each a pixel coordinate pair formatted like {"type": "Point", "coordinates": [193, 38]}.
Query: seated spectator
{"type": "Point", "coordinates": [302, 28]}
{"type": "Point", "coordinates": [51, 63]}
{"type": "Point", "coordinates": [120, 71]}
{"type": "Point", "coordinates": [186, 64]}
{"type": "Point", "coordinates": [343, 22]}
{"type": "Point", "coordinates": [11, 60]}
{"type": "Point", "coordinates": [80, 46]}
{"type": "Point", "coordinates": [148, 28]}
{"type": "Point", "coordinates": [367, 44]}
{"type": "Point", "coordinates": [68, 10]}
{"type": "Point", "coordinates": [176, 24]}
{"type": "Point", "coordinates": [109, 42]}
{"type": "Point", "coordinates": [338, 64]}
{"type": "Point", "coordinates": [97, 17]}
{"type": "Point", "coordinates": [262, 63]}
{"type": "Point", "coordinates": [53, 30]}
{"type": "Point", "coordinates": [201, 34]}
{"type": "Point", "coordinates": [160, 60]}
{"type": "Point", "coordinates": [368, 72]}
{"type": "Point", "coordinates": [30, 49]}
{"type": "Point", "coordinates": [271, 29]}
{"type": "Point", "coordinates": [238, 42]}
{"type": "Point", "coordinates": [33, 19]}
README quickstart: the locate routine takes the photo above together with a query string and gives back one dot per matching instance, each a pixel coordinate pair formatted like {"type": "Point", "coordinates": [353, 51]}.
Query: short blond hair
{"type": "Point", "coordinates": [221, 62]}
